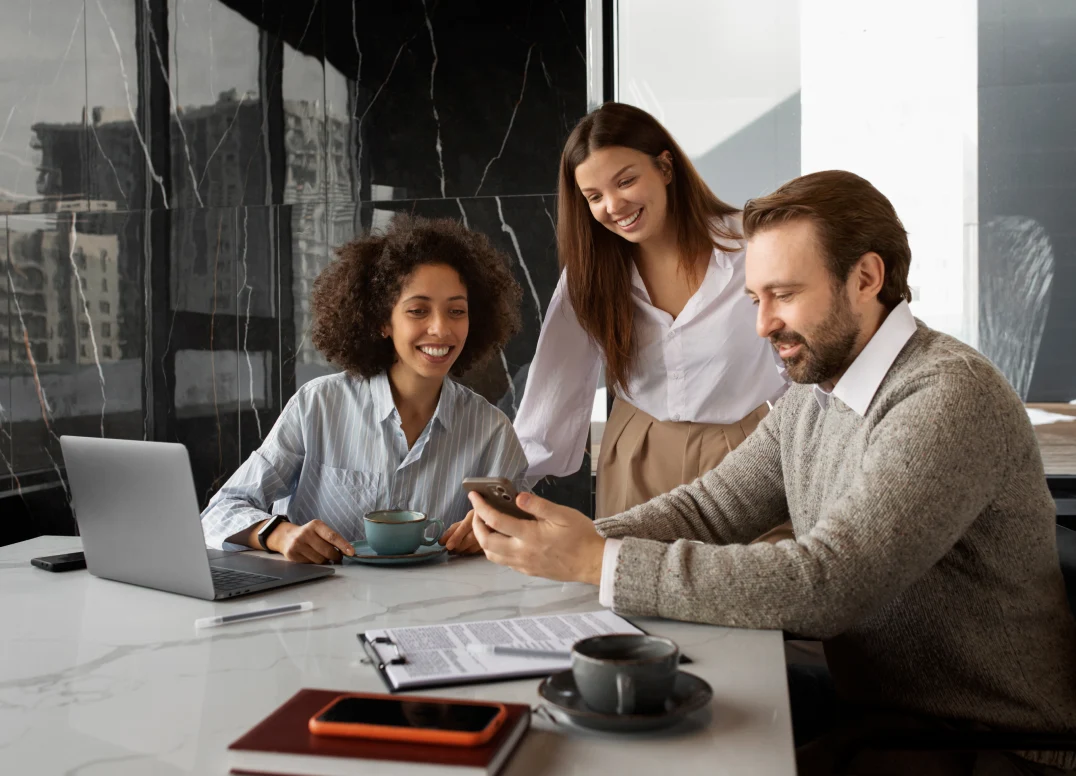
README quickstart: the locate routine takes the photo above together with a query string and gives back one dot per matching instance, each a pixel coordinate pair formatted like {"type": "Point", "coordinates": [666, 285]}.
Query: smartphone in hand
{"type": "Point", "coordinates": [499, 493]}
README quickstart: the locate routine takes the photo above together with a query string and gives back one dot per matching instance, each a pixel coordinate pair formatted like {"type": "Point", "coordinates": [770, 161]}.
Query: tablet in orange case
{"type": "Point", "coordinates": [423, 735]}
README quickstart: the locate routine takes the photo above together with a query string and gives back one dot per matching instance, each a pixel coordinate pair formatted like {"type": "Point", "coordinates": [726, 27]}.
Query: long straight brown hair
{"type": "Point", "coordinates": [597, 261]}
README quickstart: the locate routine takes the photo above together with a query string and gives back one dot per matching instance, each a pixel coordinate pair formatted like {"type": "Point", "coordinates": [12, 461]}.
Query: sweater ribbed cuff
{"type": "Point", "coordinates": [638, 565]}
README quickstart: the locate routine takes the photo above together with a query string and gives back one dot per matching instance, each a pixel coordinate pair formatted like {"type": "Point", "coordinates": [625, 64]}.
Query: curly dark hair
{"type": "Point", "coordinates": [354, 296]}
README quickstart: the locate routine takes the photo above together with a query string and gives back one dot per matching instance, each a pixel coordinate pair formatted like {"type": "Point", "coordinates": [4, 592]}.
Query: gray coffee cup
{"type": "Point", "coordinates": [625, 673]}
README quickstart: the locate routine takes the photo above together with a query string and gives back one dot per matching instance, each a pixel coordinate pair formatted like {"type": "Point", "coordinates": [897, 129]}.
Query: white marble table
{"type": "Point", "coordinates": [98, 677]}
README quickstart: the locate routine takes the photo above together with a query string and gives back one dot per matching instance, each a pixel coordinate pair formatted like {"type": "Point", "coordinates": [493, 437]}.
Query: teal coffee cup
{"type": "Point", "coordinates": [400, 532]}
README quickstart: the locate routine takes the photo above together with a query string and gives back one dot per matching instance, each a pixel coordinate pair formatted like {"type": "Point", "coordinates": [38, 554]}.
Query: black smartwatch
{"type": "Point", "coordinates": [268, 528]}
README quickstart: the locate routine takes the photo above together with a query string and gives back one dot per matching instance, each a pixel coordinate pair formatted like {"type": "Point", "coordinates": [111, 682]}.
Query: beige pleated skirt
{"type": "Point", "coordinates": [642, 457]}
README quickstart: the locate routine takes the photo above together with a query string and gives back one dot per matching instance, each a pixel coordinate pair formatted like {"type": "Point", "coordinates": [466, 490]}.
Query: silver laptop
{"type": "Point", "coordinates": [138, 515]}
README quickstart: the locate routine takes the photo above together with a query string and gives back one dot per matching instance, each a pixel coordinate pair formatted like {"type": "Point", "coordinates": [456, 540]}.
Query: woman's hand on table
{"type": "Point", "coordinates": [459, 537]}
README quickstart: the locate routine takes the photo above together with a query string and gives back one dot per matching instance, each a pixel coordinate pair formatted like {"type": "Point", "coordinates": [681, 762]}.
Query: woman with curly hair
{"type": "Point", "coordinates": [399, 312]}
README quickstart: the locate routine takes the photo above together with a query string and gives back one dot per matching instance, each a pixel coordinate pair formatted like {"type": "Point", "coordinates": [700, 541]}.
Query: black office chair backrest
{"type": "Point", "coordinates": [1063, 489]}
{"type": "Point", "coordinates": [1066, 553]}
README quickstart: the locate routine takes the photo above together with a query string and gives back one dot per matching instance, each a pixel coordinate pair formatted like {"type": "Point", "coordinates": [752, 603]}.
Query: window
{"type": "Point", "coordinates": [83, 329]}
{"type": "Point", "coordinates": [80, 258]}
{"type": "Point", "coordinates": [977, 111]}
{"type": "Point", "coordinates": [108, 351]}
{"type": "Point", "coordinates": [105, 306]}
{"type": "Point", "coordinates": [106, 330]}
{"type": "Point", "coordinates": [82, 350]}
{"type": "Point", "coordinates": [104, 284]}
{"type": "Point", "coordinates": [83, 279]}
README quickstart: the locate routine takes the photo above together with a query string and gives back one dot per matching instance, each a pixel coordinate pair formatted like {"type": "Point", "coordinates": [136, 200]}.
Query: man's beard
{"type": "Point", "coordinates": [828, 352]}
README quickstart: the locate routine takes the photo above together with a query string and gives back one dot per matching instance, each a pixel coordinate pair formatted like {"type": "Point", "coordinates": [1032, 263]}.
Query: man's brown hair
{"type": "Point", "coordinates": [850, 218]}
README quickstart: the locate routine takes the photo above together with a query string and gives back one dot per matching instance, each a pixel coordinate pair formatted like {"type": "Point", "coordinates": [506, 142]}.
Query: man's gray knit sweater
{"type": "Point", "coordinates": [925, 555]}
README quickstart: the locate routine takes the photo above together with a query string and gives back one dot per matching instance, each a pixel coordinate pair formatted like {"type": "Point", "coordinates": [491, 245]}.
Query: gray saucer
{"type": "Point", "coordinates": [689, 694]}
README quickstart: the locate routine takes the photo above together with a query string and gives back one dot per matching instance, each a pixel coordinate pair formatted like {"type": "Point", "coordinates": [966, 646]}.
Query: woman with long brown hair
{"type": "Point", "coordinates": [652, 286]}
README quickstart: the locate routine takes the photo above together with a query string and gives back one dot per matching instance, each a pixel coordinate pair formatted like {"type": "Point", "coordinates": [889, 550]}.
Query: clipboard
{"type": "Point", "coordinates": [380, 664]}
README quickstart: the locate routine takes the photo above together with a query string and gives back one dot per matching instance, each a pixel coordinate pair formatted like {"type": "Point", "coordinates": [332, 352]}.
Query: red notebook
{"type": "Point", "coordinates": [282, 745]}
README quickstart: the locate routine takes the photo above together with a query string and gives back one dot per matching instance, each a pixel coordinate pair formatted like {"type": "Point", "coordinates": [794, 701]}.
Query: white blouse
{"type": "Point", "coordinates": [706, 366]}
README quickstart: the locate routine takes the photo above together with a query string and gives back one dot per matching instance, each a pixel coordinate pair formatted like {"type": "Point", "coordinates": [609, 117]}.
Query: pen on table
{"type": "Point", "coordinates": [495, 649]}
{"type": "Point", "coordinates": [257, 614]}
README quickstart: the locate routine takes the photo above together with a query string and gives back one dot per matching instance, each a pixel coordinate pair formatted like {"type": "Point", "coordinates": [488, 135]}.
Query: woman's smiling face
{"type": "Point", "coordinates": [626, 191]}
{"type": "Point", "coordinates": [429, 321]}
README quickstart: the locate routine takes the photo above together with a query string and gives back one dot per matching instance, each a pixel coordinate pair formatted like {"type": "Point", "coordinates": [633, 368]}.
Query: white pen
{"type": "Point", "coordinates": [494, 649]}
{"type": "Point", "coordinates": [225, 619]}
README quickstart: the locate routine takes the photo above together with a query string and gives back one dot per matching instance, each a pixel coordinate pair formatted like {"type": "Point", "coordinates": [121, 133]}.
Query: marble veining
{"type": "Point", "coordinates": [24, 335]}
{"type": "Point", "coordinates": [116, 680]}
{"type": "Point", "coordinates": [433, 102]}
{"type": "Point", "coordinates": [507, 229]}
{"type": "Point", "coordinates": [373, 100]}
{"type": "Point", "coordinates": [511, 121]}
{"type": "Point", "coordinates": [46, 410]}
{"type": "Point", "coordinates": [181, 121]}
{"type": "Point", "coordinates": [72, 240]}
{"type": "Point", "coordinates": [115, 173]}
{"type": "Point", "coordinates": [511, 383]}
{"type": "Point", "coordinates": [246, 323]}
{"type": "Point", "coordinates": [552, 221]}
{"type": "Point", "coordinates": [309, 20]}
{"type": "Point", "coordinates": [10, 113]}
{"type": "Point", "coordinates": [571, 33]}
{"type": "Point", "coordinates": [3, 456]}
{"type": "Point", "coordinates": [196, 183]}
{"type": "Point", "coordinates": [130, 108]}
{"type": "Point", "coordinates": [59, 473]}
{"type": "Point", "coordinates": [221, 473]}
{"type": "Point", "coordinates": [355, 137]}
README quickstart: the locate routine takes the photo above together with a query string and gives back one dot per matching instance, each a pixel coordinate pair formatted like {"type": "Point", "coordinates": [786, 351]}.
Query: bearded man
{"type": "Point", "coordinates": [924, 555]}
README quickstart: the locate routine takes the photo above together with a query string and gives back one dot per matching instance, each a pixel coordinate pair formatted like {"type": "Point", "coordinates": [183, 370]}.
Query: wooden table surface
{"type": "Point", "coordinates": [1058, 440]}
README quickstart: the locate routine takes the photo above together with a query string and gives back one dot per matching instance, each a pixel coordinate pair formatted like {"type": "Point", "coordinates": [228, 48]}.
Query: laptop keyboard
{"type": "Point", "coordinates": [227, 579]}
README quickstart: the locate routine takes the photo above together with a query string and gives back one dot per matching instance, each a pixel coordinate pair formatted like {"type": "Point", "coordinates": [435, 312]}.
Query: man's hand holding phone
{"type": "Point", "coordinates": [499, 493]}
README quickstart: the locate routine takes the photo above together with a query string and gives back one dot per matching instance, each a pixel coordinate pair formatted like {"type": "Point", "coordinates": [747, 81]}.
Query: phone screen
{"type": "Point", "coordinates": [462, 717]}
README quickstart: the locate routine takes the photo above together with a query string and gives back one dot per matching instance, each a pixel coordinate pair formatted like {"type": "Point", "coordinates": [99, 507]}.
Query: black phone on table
{"type": "Point", "coordinates": [499, 493]}
{"type": "Point", "coordinates": [66, 562]}
{"type": "Point", "coordinates": [410, 719]}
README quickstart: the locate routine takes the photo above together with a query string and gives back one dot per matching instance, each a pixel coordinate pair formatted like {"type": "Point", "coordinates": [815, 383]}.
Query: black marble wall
{"type": "Point", "coordinates": [174, 175]}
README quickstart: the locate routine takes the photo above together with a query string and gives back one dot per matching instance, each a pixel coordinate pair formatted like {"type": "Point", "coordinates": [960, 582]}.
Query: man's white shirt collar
{"type": "Point", "coordinates": [857, 386]}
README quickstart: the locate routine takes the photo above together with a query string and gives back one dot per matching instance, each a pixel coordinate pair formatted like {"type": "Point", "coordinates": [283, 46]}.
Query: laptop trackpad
{"type": "Point", "coordinates": [276, 567]}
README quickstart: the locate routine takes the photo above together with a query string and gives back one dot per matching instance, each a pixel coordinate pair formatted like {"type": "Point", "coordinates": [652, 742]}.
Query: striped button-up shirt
{"type": "Point", "coordinates": [338, 451]}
